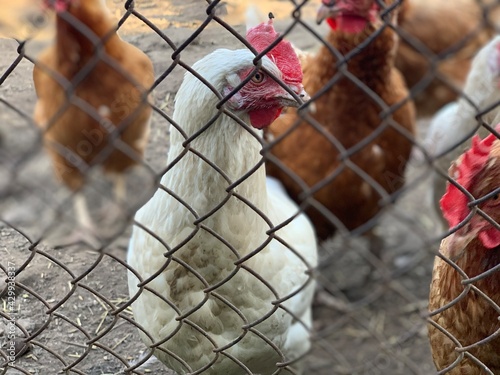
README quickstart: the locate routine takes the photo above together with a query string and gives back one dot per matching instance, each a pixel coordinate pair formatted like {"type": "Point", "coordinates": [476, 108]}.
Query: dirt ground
{"type": "Point", "coordinates": [368, 323]}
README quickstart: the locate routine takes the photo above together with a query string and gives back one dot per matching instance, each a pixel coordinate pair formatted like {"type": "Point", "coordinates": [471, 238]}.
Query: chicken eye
{"type": "Point", "coordinates": [258, 77]}
{"type": "Point", "coordinates": [36, 20]}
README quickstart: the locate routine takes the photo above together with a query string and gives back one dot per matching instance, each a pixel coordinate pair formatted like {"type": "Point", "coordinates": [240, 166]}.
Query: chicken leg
{"type": "Point", "coordinates": [85, 231]}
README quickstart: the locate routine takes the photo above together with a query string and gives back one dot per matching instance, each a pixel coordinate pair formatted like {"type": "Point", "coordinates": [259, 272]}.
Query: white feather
{"type": "Point", "coordinates": [240, 230]}
{"type": "Point", "coordinates": [452, 128]}
{"type": "Point", "coordinates": [440, 128]}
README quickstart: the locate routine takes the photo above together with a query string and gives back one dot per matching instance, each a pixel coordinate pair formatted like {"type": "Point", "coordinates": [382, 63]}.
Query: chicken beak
{"type": "Point", "coordinates": [304, 95]}
{"type": "Point", "coordinates": [459, 240]}
{"type": "Point", "coordinates": [327, 11]}
{"type": "Point", "coordinates": [287, 100]}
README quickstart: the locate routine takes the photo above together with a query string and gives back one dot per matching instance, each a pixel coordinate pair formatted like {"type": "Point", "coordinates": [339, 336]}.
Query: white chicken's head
{"type": "Point", "coordinates": [262, 97]}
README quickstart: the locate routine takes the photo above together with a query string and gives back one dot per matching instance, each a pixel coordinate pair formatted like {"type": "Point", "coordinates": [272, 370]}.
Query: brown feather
{"type": "Point", "coordinates": [456, 28]}
{"type": "Point", "coordinates": [114, 94]}
{"type": "Point", "coordinates": [348, 113]}
{"type": "Point", "coordinates": [472, 318]}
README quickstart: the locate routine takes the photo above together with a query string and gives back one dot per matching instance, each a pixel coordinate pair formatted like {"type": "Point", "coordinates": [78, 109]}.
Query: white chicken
{"type": "Point", "coordinates": [221, 291]}
{"type": "Point", "coordinates": [452, 127]}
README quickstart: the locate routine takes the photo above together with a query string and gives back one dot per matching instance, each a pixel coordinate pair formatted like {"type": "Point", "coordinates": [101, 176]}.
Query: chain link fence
{"type": "Point", "coordinates": [67, 309]}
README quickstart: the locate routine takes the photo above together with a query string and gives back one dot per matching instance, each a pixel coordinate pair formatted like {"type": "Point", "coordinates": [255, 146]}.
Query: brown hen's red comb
{"type": "Point", "coordinates": [454, 202]}
{"type": "Point", "coordinates": [283, 54]}
{"type": "Point", "coordinates": [57, 5]}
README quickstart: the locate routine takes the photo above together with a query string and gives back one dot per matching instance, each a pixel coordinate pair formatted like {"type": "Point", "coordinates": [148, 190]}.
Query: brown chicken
{"type": "Point", "coordinates": [475, 248]}
{"type": "Point", "coordinates": [454, 30]}
{"type": "Point", "coordinates": [92, 98]}
{"type": "Point", "coordinates": [351, 111]}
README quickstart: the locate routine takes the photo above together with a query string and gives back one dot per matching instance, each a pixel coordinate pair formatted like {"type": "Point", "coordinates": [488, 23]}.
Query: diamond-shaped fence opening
{"type": "Point", "coordinates": [138, 235]}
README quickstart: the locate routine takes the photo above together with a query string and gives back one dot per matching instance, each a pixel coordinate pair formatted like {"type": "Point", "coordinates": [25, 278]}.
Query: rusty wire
{"type": "Point", "coordinates": [73, 315]}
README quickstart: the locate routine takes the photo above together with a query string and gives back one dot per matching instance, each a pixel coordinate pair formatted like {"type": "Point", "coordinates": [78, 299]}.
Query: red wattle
{"type": "Point", "coordinates": [352, 24]}
{"type": "Point", "coordinates": [347, 23]}
{"type": "Point", "coordinates": [490, 238]}
{"type": "Point", "coordinates": [332, 23]}
{"type": "Point", "coordinates": [261, 118]}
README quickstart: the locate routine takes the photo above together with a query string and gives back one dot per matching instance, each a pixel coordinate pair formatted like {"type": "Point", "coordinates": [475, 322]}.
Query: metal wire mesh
{"type": "Point", "coordinates": [68, 310]}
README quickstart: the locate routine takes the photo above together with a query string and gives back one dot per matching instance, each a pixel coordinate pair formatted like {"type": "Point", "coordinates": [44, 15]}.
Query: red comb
{"type": "Point", "coordinates": [57, 5]}
{"type": "Point", "coordinates": [283, 54]}
{"type": "Point", "coordinates": [454, 202]}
